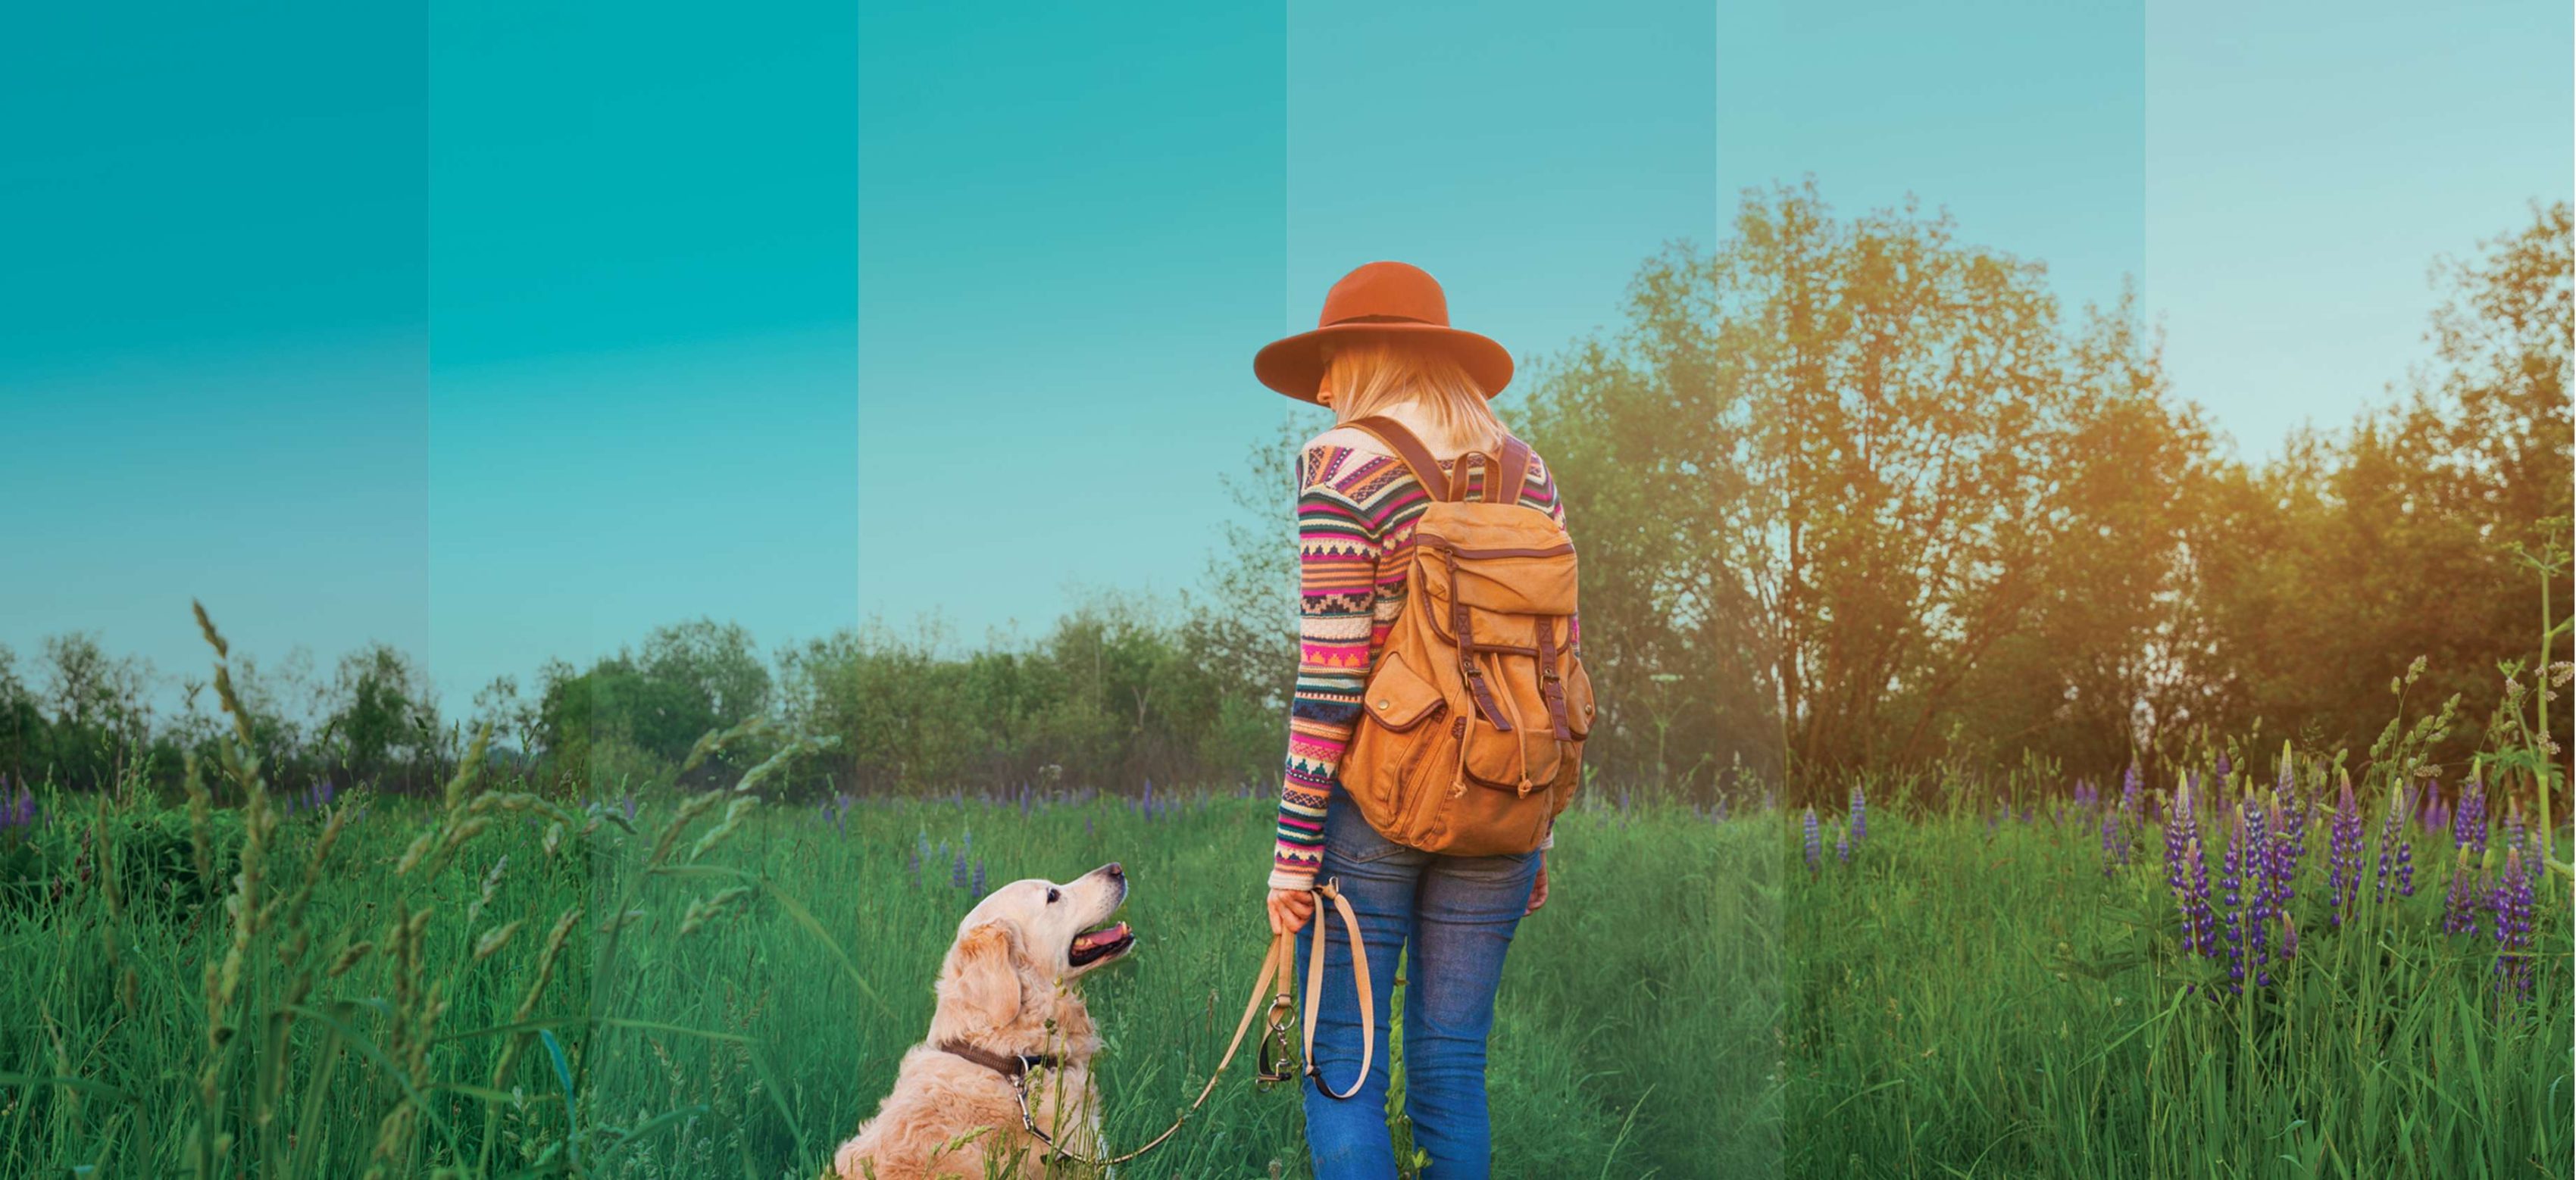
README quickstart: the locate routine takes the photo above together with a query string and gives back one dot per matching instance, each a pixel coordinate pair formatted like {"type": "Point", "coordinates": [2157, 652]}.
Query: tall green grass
{"type": "Point", "coordinates": [490, 983]}
{"type": "Point", "coordinates": [1976, 1000]}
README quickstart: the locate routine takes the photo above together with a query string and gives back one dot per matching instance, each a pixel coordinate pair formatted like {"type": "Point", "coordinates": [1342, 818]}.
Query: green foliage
{"type": "Point", "coordinates": [2319, 576]}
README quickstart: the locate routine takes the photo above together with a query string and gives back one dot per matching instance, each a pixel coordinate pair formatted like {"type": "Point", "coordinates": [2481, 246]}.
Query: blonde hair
{"type": "Point", "coordinates": [1371, 373]}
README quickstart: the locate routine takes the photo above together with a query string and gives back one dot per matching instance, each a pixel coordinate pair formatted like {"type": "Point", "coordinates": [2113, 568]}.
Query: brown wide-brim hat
{"type": "Point", "coordinates": [1387, 300]}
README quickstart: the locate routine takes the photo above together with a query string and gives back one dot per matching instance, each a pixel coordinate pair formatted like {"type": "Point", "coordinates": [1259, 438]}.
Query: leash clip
{"type": "Point", "coordinates": [1278, 1059]}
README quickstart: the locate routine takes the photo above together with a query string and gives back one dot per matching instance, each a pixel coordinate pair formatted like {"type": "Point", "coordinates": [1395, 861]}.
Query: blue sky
{"type": "Point", "coordinates": [500, 332]}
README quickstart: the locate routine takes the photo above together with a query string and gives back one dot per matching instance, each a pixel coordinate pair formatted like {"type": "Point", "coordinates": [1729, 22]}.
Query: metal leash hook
{"type": "Point", "coordinates": [1278, 1059]}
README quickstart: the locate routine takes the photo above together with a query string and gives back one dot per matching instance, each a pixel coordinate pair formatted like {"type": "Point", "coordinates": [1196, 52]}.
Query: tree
{"type": "Point", "coordinates": [2324, 573]}
{"type": "Point", "coordinates": [383, 727]}
{"type": "Point", "coordinates": [1861, 468]}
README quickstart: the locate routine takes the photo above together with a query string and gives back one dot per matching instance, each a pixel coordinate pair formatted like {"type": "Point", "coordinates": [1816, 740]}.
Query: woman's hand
{"type": "Point", "coordinates": [1538, 889]}
{"type": "Point", "coordinates": [1289, 909]}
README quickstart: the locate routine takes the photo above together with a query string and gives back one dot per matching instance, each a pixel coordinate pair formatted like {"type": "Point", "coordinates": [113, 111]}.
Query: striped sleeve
{"type": "Point", "coordinates": [1338, 547]}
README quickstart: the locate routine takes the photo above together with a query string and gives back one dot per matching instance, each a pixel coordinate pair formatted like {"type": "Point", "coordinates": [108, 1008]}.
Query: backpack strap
{"type": "Point", "coordinates": [1506, 488]}
{"type": "Point", "coordinates": [1426, 470]}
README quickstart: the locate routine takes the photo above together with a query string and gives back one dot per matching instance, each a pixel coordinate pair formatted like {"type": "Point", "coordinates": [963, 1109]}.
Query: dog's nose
{"type": "Point", "coordinates": [1114, 869]}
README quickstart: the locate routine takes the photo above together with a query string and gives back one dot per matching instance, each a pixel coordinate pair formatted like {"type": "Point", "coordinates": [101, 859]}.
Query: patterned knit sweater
{"type": "Point", "coordinates": [1355, 516]}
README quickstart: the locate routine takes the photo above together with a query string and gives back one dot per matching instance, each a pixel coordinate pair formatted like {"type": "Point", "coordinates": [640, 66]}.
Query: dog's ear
{"type": "Point", "coordinates": [983, 977]}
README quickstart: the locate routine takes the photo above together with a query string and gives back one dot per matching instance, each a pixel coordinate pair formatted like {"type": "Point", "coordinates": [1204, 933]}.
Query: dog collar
{"type": "Point", "coordinates": [1010, 1065]}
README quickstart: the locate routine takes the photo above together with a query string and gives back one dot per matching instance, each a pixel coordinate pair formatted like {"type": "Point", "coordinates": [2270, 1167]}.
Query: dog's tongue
{"type": "Point", "coordinates": [1084, 942]}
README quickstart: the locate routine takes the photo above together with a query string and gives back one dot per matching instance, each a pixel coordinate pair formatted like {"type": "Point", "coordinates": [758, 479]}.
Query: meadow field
{"type": "Point", "coordinates": [737, 1010]}
{"type": "Point", "coordinates": [2001, 989]}
{"type": "Point", "coordinates": [493, 984]}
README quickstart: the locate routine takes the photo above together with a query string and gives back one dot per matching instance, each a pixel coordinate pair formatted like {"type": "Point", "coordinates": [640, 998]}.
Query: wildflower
{"type": "Point", "coordinates": [2460, 902]}
{"type": "Point", "coordinates": [2288, 844]}
{"type": "Point", "coordinates": [2132, 784]}
{"type": "Point", "coordinates": [2263, 864]}
{"type": "Point", "coordinates": [1859, 813]}
{"type": "Point", "coordinates": [2396, 853]}
{"type": "Point", "coordinates": [2224, 771]}
{"type": "Point", "coordinates": [2201, 920]}
{"type": "Point", "coordinates": [1842, 844]}
{"type": "Point", "coordinates": [1815, 843]}
{"type": "Point", "coordinates": [2512, 906]}
{"type": "Point", "coordinates": [2182, 851]}
{"type": "Point", "coordinates": [920, 848]}
{"type": "Point", "coordinates": [978, 884]}
{"type": "Point", "coordinates": [2289, 938]}
{"type": "Point", "coordinates": [2469, 818]}
{"type": "Point", "coordinates": [19, 811]}
{"type": "Point", "coordinates": [958, 877]}
{"type": "Point", "coordinates": [2343, 857]}
{"type": "Point", "coordinates": [2232, 878]}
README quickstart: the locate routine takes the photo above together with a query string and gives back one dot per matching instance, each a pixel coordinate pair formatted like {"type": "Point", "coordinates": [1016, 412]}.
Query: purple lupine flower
{"type": "Point", "coordinates": [1859, 814]}
{"type": "Point", "coordinates": [977, 889]}
{"type": "Point", "coordinates": [1815, 843]}
{"type": "Point", "coordinates": [18, 810]}
{"type": "Point", "coordinates": [2512, 906]}
{"type": "Point", "coordinates": [2392, 826]}
{"type": "Point", "coordinates": [2469, 818]}
{"type": "Point", "coordinates": [958, 874]}
{"type": "Point", "coordinates": [2084, 794]}
{"type": "Point", "coordinates": [2289, 938]}
{"type": "Point", "coordinates": [2115, 851]}
{"type": "Point", "coordinates": [920, 848]}
{"type": "Point", "coordinates": [2132, 795]}
{"type": "Point", "coordinates": [2460, 902]}
{"type": "Point", "coordinates": [2262, 861]}
{"type": "Point", "coordinates": [2233, 878]}
{"type": "Point", "coordinates": [1842, 844]}
{"type": "Point", "coordinates": [2224, 770]}
{"type": "Point", "coordinates": [2343, 857]}
{"type": "Point", "coordinates": [2289, 845]}
{"type": "Point", "coordinates": [2181, 848]}
{"type": "Point", "coordinates": [2202, 920]}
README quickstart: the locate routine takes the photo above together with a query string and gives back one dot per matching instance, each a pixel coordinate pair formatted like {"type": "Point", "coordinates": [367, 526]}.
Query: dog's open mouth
{"type": "Point", "coordinates": [1103, 942]}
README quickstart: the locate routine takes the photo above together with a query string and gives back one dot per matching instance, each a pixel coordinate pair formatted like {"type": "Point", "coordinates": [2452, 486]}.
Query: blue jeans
{"type": "Point", "coordinates": [1458, 912]}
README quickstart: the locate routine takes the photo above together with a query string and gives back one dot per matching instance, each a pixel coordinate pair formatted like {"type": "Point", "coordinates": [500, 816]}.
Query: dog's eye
{"type": "Point", "coordinates": [1052, 895]}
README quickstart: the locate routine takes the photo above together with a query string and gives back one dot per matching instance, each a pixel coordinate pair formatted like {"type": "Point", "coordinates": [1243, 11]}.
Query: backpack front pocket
{"type": "Point", "coordinates": [1404, 711]}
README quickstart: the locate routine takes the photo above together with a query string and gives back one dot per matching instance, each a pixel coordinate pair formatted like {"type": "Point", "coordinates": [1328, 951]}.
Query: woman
{"type": "Point", "coordinates": [1384, 349]}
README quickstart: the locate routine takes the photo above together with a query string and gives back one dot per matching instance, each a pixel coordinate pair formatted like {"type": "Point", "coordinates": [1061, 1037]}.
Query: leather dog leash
{"type": "Point", "coordinates": [1278, 979]}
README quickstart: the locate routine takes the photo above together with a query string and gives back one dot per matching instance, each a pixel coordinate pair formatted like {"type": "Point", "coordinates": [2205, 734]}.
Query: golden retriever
{"type": "Point", "coordinates": [1005, 991]}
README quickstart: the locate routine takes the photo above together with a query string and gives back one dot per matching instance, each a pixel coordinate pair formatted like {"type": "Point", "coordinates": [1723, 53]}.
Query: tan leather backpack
{"type": "Point", "coordinates": [1476, 710]}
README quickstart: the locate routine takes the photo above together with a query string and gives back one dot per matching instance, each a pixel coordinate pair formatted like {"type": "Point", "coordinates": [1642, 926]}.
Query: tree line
{"type": "Point", "coordinates": [1852, 496]}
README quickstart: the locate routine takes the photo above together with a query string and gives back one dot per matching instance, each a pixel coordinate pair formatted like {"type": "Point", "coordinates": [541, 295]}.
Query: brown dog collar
{"type": "Point", "coordinates": [1013, 1066]}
